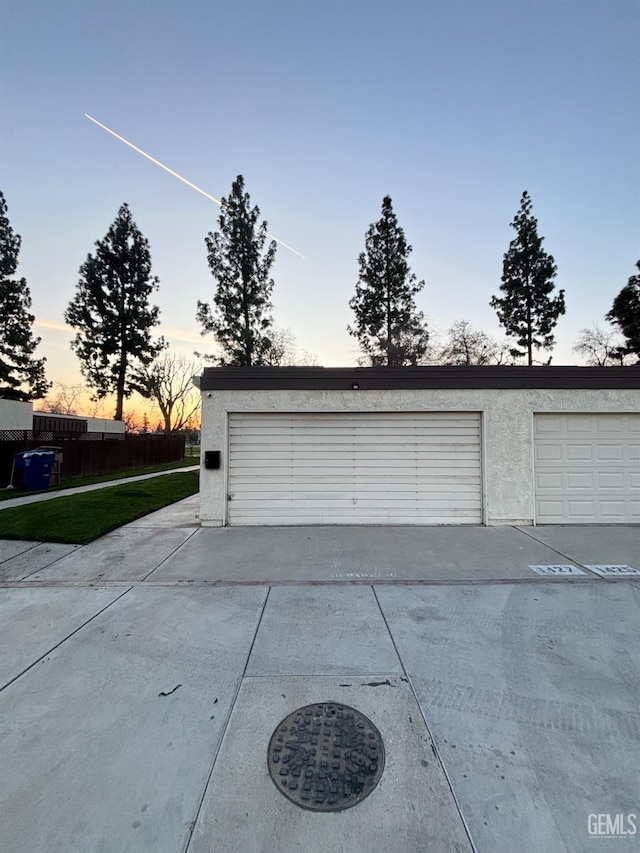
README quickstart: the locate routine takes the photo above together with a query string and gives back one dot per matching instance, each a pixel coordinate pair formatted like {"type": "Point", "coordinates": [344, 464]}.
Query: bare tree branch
{"type": "Point", "coordinates": [169, 381]}
{"type": "Point", "coordinates": [63, 399]}
{"type": "Point", "coordinates": [283, 350]}
{"type": "Point", "coordinates": [466, 345]}
{"type": "Point", "coordinates": [602, 347]}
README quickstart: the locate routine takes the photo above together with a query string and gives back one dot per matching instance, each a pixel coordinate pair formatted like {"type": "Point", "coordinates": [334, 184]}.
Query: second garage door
{"type": "Point", "coordinates": [587, 468]}
{"type": "Point", "coordinates": [362, 468]}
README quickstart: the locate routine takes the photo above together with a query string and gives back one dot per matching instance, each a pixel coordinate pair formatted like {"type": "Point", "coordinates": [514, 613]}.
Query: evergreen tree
{"type": "Point", "coordinates": [21, 375]}
{"type": "Point", "coordinates": [527, 311]}
{"type": "Point", "coordinates": [388, 326]}
{"type": "Point", "coordinates": [240, 319]}
{"type": "Point", "coordinates": [112, 315]}
{"type": "Point", "coordinates": [625, 313]}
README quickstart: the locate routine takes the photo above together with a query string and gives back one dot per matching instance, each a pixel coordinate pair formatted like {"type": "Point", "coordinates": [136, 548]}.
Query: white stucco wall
{"type": "Point", "coordinates": [105, 425]}
{"type": "Point", "coordinates": [15, 414]}
{"type": "Point", "coordinates": [507, 419]}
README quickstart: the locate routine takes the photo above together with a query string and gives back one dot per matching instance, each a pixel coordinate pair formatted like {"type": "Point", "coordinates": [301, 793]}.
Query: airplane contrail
{"type": "Point", "coordinates": [175, 174]}
{"type": "Point", "coordinates": [174, 334]}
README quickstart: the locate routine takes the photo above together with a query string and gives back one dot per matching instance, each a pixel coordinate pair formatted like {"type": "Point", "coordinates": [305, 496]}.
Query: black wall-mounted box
{"type": "Point", "coordinates": [212, 459]}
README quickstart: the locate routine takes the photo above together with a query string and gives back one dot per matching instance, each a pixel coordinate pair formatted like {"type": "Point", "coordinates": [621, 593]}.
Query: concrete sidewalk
{"type": "Point", "coordinates": [78, 490]}
{"type": "Point", "coordinates": [144, 674]}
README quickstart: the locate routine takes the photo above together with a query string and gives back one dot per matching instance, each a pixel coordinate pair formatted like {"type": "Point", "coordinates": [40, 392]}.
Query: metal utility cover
{"type": "Point", "coordinates": [557, 570]}
{"type": "Point", "coordinates": [326, 757]}
{"type": "Point", "coordinates": [613, 571]}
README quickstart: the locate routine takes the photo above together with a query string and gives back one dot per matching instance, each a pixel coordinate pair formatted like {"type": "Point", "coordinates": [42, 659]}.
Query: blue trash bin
{"type": "Point", "coordinates": [34, 467]}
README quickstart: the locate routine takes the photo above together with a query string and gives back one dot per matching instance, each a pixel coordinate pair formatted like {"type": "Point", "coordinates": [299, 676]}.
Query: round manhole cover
{"type": "Point", "coordinates": [326, 757]}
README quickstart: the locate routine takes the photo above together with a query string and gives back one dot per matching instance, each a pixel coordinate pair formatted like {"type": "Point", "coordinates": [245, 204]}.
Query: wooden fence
{"type": "Point", "coordinates": [89, 458]}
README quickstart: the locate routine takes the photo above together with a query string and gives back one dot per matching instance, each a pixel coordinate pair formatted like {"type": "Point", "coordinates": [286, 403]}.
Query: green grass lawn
{"type": "Point", "coordinates": [8, 494]}
{"type": "Point", "coordinates": [78, 519]}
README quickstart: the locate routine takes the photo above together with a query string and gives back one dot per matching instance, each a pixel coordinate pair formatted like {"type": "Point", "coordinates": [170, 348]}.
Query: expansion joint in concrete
{"type": "Point", "coordinates": [407, 678]}
{"type": "Point", "coordinates": [64, 639]}
{"type": "Point", "coordinates": [223, 729]}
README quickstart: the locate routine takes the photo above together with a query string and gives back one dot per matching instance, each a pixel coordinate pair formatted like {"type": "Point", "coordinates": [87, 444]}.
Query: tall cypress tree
{"type": "Point", "coordinates": [527, 311]}
{"type": "Point", "coordinates": [240, 318]}
{"type": "Point", "coordinates": [21, 374]}
{"type": "Point", "coordinates": [112, 315]}
{"type": "Point", "coordinates": [388, 326]}
{"type": "Point", "coordinates": [625, 313]}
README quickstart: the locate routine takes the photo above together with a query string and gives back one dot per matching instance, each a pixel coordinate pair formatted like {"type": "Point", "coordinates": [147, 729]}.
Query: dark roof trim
{"type": "Point", "coordinates": [396, 378]}
{"type": "Point", "coordinates": [43, 421]}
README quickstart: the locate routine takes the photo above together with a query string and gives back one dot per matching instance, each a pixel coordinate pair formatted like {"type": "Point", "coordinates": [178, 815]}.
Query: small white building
{"type": "Point", "coordinates": [78, 426]}
{"type": "Point", "coordinates": [420, 445]}
{"type": "Point", "coordinates": [15, 415]}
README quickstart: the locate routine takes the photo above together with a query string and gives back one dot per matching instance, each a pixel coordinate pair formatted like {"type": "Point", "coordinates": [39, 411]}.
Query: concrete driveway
{"type": "Point", "coordinates": [143, 675]}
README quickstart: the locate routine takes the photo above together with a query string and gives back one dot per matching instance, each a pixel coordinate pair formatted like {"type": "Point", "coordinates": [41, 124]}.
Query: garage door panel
{"type": "Point", "coordinates": [611, 509]}
{"type": "Point", "coordinates": [328, 468]}
{"type": "Point", "coordinates": [589, 470]}
{"type": "Point", "coordinates": [362, 487]}
{"type": "Point", "coordinates": [549, 451]}
{"type": "Point", "coordinates": [309, 467]}
{"type": "Point", "coordinates": [335, 516]}
{"type": "Point", "coordinates": [611, 480]}
{"type": "Point", "coordinates": [610, 451]}
{"type": "Point", "coordinates": [256, 454]}
{"type": "Point", "coordinates": [575, 426]}
{"type": "Point", "coordinates": [371, 440]}
{"type": "Point", "coordinates": [364, 428]}
{"type": "Point", "coordinates": [341, 419]}
{"type": "Point", "coordinates": [330, 517]}
{"type": "Point", "coordinates": [610, 424]}
{"type": "Point", "coordinates": [582, 509]}
{"type": "Point", "coordinates": [343, 500]}
{"type": "Point", "coordinates": [549, 480]}
{"type": "Point", "coordinates": [572, 480]}
{"type": "Point", "coordinates": [374, 461]}
{"type": "Point", "coordinates": [548, 510]}
{"type": "Point", "coordinates": [550, 426]}
{"type": "Point", "coordinates": [573, 452]}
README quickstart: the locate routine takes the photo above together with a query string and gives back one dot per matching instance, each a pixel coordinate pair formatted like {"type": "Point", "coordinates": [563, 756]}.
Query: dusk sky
{"type": "Point", "coordinates": [452, 108]}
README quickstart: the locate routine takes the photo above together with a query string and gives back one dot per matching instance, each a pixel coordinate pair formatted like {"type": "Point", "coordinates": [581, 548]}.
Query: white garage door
{"type": "Point", "coordinates": [587, 468]}
{"type": "Point", "coordinates": [362, 468]}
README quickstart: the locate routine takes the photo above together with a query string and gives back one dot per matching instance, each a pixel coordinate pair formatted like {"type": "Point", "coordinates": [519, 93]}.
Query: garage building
{"type": "Point", "coordinates": [420, 445]}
